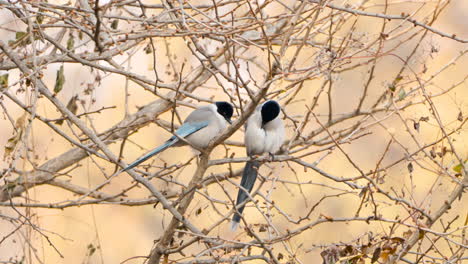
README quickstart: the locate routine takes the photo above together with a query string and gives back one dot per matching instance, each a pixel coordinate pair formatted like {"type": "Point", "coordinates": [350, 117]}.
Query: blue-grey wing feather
{"type": "Point", "coordinates": [189, 128]}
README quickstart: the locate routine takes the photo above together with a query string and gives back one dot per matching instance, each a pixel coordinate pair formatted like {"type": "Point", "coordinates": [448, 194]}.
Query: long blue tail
{"type": "Point", "coordinates": [249, 175]}
{"type": "Point", "coordinates": [155, 151]}
{"type": "Point", "coordinates": [185, 130]}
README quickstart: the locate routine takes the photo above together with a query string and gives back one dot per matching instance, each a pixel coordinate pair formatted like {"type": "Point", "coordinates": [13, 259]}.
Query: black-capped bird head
{"type": "Point", "coordinates": [270, 110]}
{"type": "Point", "coordinates": [225, 109]}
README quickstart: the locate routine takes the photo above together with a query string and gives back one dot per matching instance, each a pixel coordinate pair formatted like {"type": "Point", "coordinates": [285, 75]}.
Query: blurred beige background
{"type": "Point", "coordinates": [122, 232]}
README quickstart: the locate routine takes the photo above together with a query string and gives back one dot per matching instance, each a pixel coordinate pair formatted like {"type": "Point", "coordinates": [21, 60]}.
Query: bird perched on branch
{"type": "Point", "coordinates": [198, 129]}
{"type": "Point", "coordinates": [264, 133]}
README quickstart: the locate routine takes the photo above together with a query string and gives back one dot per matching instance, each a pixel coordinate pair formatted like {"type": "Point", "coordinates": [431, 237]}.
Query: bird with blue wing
{"type": "Point", "coordinates": [264, 133]}
{"type": "Point", "coordinates": [198, 129]}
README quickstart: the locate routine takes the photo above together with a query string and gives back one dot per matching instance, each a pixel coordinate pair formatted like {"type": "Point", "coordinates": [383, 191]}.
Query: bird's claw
{"type": "Point", "coordinates": [254, 157]}
{"type": "Point", "coordinates": [272, 156]}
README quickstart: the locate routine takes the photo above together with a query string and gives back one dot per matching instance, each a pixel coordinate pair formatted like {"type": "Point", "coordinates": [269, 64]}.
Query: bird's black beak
{"type": "Point", "coordinates": [229, 121]}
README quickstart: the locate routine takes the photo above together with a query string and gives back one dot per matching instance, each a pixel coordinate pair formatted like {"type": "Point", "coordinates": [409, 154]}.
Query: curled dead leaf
{"type": "Point", "coordinates": [16, 138]}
